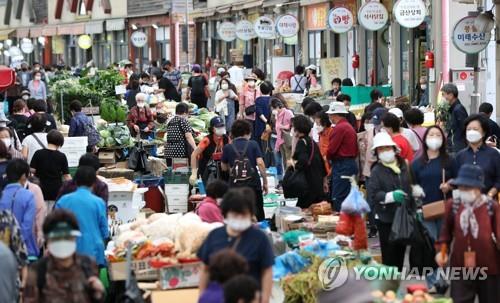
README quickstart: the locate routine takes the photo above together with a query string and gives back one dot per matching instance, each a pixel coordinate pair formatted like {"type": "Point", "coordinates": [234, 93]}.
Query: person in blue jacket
{"type": "Point", "coordinates": [262, 110]}
{"type": "Point", "coordinates": [90, 211]}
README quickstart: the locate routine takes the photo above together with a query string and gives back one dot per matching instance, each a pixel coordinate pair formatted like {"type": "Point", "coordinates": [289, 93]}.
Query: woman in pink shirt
{"type": "Point", "coordinates": [208, 209]}
{"type": "Point", "coordinates": [247, 99]}
{"type": "Point", "coordinates": [41, 211]}
{"type": "Point", "coordinates": [283, 126]}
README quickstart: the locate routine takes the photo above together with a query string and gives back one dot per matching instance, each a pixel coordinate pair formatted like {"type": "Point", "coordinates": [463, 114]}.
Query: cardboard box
{"type": "Point", "coordinates": [110, 173]}
{"type": "Point", "coordinates": [107, 157]}
{"type": "Point", "coordinates": [181, 275]}
{"type": "Point", "coordinates": [143, 271]}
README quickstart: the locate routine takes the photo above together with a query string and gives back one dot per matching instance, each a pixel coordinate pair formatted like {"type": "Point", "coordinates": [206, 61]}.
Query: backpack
{"type": "Point", "coordinates": [41, 271]}
{"type": "Point", "coordinates": [242, 172]}
{"type": "Point", "coordinates": [93, 136]}
{"type": "Point", "coordinates": [198, 86]}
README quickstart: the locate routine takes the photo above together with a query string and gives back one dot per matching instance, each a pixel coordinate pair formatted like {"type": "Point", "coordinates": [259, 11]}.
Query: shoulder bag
{"type": "Point", "coordinates": [436, 209]}
{"type": "Point", "coordinates": [295, 183]}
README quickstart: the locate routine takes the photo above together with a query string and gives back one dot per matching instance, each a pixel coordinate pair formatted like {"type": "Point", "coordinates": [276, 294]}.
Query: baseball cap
{"type": "Point", "coordinates": [216, 122]}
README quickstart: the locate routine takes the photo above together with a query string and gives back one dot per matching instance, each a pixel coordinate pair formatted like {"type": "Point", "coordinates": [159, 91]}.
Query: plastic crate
{"type": "Point", "coordinates": [171, 177]}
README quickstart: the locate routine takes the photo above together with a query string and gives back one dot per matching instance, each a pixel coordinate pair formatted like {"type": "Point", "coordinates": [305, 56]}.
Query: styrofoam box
{"type": "Point", "coordinates": [177, 208]}
{"type": "Point", "coordinates": [176, 189]}
{"type": "Point", "coordinates": [128, 203]}
{"type": "Point", "coordinates": [177, 200]}
{"type": "Point", "coordinates": [74, 148]}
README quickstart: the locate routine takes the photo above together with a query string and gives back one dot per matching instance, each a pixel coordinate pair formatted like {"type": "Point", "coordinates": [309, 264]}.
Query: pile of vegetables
{"type": "Point", "coordinates": [113, 111]}
{"type": "Point", "coordinates": [114, 135]}
{"type": "Point", "coordinates": [201, 123]}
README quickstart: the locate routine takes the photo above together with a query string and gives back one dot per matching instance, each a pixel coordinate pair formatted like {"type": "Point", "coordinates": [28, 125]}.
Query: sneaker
{"type": "Point", "coordinates": [372, 233]}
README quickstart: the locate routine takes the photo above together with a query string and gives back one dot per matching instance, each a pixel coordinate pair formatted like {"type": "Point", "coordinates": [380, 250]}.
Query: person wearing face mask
{"type": "Point", "coordinates": [209, 209]}
{"type": "Point", "coordinates": [50, 166]}
{"type": "Point", "coordinates": [63, 275]}
{"type": "Point", "coordinates": [81, 125]}
{"type": "Point", "coordinates": [262, 111]}
{"type": "Point", "coordinates": [4, 160]}
{"type": "Point", "coordinates": [479, 153]}
{"type": "Point", "coordinates": [225, 99]}
{"type": "Point", "coordinates": [377, 98]}
{"type": "Point", "coordinates": [392, 126]}
{"type": "Point", "coordinates": [25, 75]}
{"type": "Point", "coordinates": [90, 211]}
{"type": "Point", "coordinates": [13, 146]}
{"type": "Point", "coordinates": [167, 87]}
{"type": "Point", "coordinates": [38, 137]}
{"type": "Point", "coordinates": [283, 125]}
{"type": "Point", "coordinates": [21, 202]}
{"type": "Point", "coordinates": [37, 87]}
{"type": "Point", "coordinates": [342, 151]}
{"type": "Point", "coordinates": [457, 115]}
{"type": "Point", "coordinates": [423, 99]}
{"type": "Point", "coordinates": [238, 234]}
{"type": "Point", "coordinates": [414, 117]}
{"type": "Point", "coordinates": [472, 223]}
{"type": "Point", "coordinates": [205, 160]}
{"type": "Point", "coordinates": [312, 81]}
{"type": "Point", "coordinates": [198, 91]}
{"type": "Point", "coordinates": [247, 100]}
{"type": "Point", "coordinates": [389, 185]}
{"type": "Point", "coordinates": [325, 130]}
{"type": "Point", "coordinates": [351, 117]}
{"type": "Point", "coordinates": [19, 119]}
{"type": "Point", "coordinates": [180, 141]}
{"type": "Point", "coordinates": [140, 118]}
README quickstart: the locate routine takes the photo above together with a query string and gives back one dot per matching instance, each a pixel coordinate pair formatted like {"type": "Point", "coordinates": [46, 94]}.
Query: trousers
{"type": "Point", "coordinates": [341, 186]}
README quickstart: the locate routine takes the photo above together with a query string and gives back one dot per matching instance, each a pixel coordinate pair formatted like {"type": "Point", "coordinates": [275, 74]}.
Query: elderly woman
{"type": "Point", "coordinates": [140, 118]}
{"type": "Point", "coordinates": [37, 87]}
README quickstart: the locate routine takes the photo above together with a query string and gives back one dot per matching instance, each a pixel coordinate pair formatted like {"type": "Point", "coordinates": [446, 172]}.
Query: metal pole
{"type": "Point", "coordinates": [62, 109]}
{"type": "Point", "coordinates": [475, 98]}
{"type": "Point", "coordinates": [187, 33]}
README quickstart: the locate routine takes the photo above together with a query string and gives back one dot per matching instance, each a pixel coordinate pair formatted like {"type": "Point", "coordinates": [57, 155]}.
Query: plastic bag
{"type": "Point", "coordinates": [403, 226]}
{"type": "Point", "coordinates": [288, 263]}
{"type": "Point", "coordinates": [422, 251]}
{"type": "Point", "coordinates": [355, 203]}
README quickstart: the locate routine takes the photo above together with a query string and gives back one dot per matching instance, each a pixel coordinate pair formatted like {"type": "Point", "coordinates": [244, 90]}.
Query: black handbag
{"type": "Point", "coordinates": [403, 226]}
{"type": "Point", "coordinates": [295, 183]}
{"type": "Point", "coordinates": [138, 158]}
{"type": "Point", "coordinates": [250, 110]}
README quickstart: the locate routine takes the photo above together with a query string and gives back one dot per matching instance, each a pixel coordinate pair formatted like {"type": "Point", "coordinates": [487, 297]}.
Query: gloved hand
{"type": "Point", "coordinates": [399, 196]}
{"type": "Point", "coordinates": [417, 191]}
{"type": "Point", "coordinates": [194, 177]}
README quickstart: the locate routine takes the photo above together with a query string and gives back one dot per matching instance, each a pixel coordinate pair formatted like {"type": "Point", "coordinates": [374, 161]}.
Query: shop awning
{"type": "Point", "coordinates": [22, 32]}
{"type": "Point", "coordinates": [202, 13]}
{"type": "Point", "coordinates": [246, 5]}
{"type": "Point", "coordinates": [270, 3]}
{"type": "Point", "coordinates": [94, 27]}
{"type": "Point", "coordinates": [115, 25]}
{"type": "Point", "coordinates": [4, 34]}
{"type": "Point", "coordinates": [50, 30]}
{"type": "Point", "coordinates": [71, 29]}
{"type": "Point", "coordinates": [36, 32]}
{"type": "Point", "coordinates": [311, 2]}
{"type": "Point", "coordinates": [223, 9]}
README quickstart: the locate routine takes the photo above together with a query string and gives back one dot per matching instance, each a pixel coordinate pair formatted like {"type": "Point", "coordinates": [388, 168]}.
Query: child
{"type": "Point", "coordinates": [208, 209]}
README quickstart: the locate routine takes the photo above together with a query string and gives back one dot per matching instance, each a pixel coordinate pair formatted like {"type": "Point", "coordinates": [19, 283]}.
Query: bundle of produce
{"type": "Point", "coordinates": [322, 208]}
{"type": "Point", "coordinates": [206, 115]}
{"type": "Point", "coordinates": [113, 111]}
{"type": "Point", "coordinates": [303, 287]}
{"type": "Point", "coordinates": [114, 135]}
{"type": "Point", "coordinates": [190, 234]}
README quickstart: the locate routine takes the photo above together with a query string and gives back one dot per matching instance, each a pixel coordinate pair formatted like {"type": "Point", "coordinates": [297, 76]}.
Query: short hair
{"type": "Point", "coordinates": [36, 72]}
{"type": "Point", "coordinates": [241, 288]}
{"type": "Point", "coordinates": [129, 65]}
{"type": "Point", "coordinates": [306, 101]}
{"type": "Point", "coordinates": [154, 63]}
{"type": "Point", "coordinates": [302, 124]}
{"type": "Point", "coordinates": [16, 169]}
{"type": "Point", "coordinates": [347, 82]}
{"type": "Point", "coordinates": [483, 121]}
{"type": "Point", "coordinates": [259, 73]}
{"type": "Point", "coordinates": [450, 88]}
{"type": "Point", "coordinates": [75, 106]}
{"type": "Point", "coordinates": [403, 106]}
{"type": "Point", "coordinates": [391, 121]}
{"type": "Point", "coordinates": [241, 128]}
{"type": "Point", "coordinates": [40, 106]}
{"type": "Point", "coordinates": [343, 97]}
{"type": "Point", "coordinates": [59, 215]}
{"type": "Point", "coordinates": [225, 264]}
{"type": "Point", "coordinates": [55, 137]}
{"type": "Point", "coordinates": [414, 116]}
{"type": "Point", "coordinates": [485, 107]}
{"type": "Point", "coordinates": [89, 159]}
{"type": "Point", "coordinates": [266, 88]}
{"type": "Point", "coordinates": [144, 75]}
{"type": "Point", "coordinates": [337, 80]}
{"type": "Point", "coordinates": [38, 122]}
{"type": "Point", "coordinates": [276, 103]}
{"type": "Point", "coordinates": [324, 120]}
{"type": "Point", "coordinates": [375, 95]}
{"type": "Point", "coordinates": [312, 109]}
{"type": "Point", "coordinates": [133, 84]}
{"type": "Point", "coordinates": [238, 200]}
{"type": "Point", "coordinates": [299, 69]}
{"type": "Point", "coordinates": [217, 189]}
{"type": "Point", "coordinates": [141, 96]}
{"type": "Point", "coordinates": [85, 176]}
{"type": "Point", "coordinates": [4, 151]}
{"type": "Point", "coordinates": [167, 63]}
{"type": "Point", "coordinates": [181, 108]}
{"type": "Point", "coordinates": [18, 105]}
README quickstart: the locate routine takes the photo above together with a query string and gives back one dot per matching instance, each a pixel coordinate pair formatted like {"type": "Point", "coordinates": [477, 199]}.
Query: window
{"type": "Point", "coordinates": [316, 47]}
{"type": "Point", "coordinates": [82, 9]}
{"type": "Point", "coordinates": [163, 43]}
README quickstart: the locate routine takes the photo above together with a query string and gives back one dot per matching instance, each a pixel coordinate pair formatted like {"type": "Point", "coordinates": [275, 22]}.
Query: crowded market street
{"type": "Point", "coordinates": [261, 151]}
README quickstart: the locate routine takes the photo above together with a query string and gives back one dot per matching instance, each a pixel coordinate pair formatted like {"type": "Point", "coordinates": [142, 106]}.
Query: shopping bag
{"type": "Point", "coordinates": [422, 252]}
{"type": "Point", "coordinates": [138, 158]}
{"type": "Point", "coordinates": [355, 203]}
{"type": "Point", "coordinates": [403, 226]}
{"type": "Point", "coordinates": [345, 225]}
{"type": "Point", "coordinates": [294, 183]}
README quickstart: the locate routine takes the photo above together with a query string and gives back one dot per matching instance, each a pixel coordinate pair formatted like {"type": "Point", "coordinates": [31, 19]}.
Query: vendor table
{"type": "Point", "coordinates": [189, 295]}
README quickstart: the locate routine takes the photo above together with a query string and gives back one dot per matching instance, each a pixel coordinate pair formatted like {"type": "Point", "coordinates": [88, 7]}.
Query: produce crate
{"type": "Point", "coordinates": [171, 177]}
{"type": "Point", "coordinates": [143, 271]}
{"type": "Point", "coordinates": [181, 275]}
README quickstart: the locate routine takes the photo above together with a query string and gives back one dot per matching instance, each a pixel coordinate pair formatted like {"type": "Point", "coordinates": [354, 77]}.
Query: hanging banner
{"type": "Point", "coordinates": [287, 25]}
{"type": "Point", "coordinates": [332, 68]}
{"type": "Point", "coordinates": [139, 39]}
{"type": "Point", "coordinates": [373, 16]}
{"type": "Point", "coordinates": [317, 16]}
{"type": "Point", "coordinates": [467, 37]}
{"type": "Point", "coordinates": [409, 13]}
{"type": "Point", "coordinates": [340, 20]}
{"type": "Point", "coordinates": [227, 31]}
{"type": "Point", "coordinates": [245, 30]}
{"type": "Point", "coordinates": [27, 46]}
{"type": "Point", "coordinates": [84, 42]}
{"type": "Point", "coordinates": [264, 28]}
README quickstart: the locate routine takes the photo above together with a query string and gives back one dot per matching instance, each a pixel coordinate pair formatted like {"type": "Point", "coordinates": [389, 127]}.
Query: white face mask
{"type": "Point", "coordinates": [467, 197]}
{"type": "Point", "coordinates": [38, 78]}
{"type": "Point", "coordinates": [219, 201]}
{"type": "Point", "coordinates": [369, 126]}
{"type": "Point", "coordinates": [220, 131]}
{"type": "Point", "coordinates": [141, 105]}
{"type": "Point", "coordinates": [387, 156]}
{"type": "Point", "coordinates": [319, 128]}
{"type": "Point", "coordinates": [434, 143]}
{"type": "Point", "coordinates": [26, 97]}
{"type": "Point", "coordinates": [473, 136]}
{"type": "Point", "coordinates": [238, 225]}
{"type": "Point", "coordinates": [423, 86]}
{"type": "Point", "coordinates": [224, 86]}
{"type": "Point", "coordinates": [275, 112]}
{"type": "Point", "coordinates": [62, 249]}
{"type": "Point", "coordinates": [7, 142]}
{"type": "Point", "coordinates": [251, 83]}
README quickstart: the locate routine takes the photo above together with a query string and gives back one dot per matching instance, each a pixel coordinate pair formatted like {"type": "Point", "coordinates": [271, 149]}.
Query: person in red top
{"type": "Point", "coordinates": [205, 160]}
{"type": "Point", "coordinates": [472, 223]}
{"type": "Point", "coordinates": [342, 151]}
{"type": "Point", "coordinates": [325, 130]}
{"type": "Point", "coordinates": [208, 209]}
{"type": "Point", "coordinates": [140, 118]}
{"type": "Point", "coordinates": [392, 125]}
